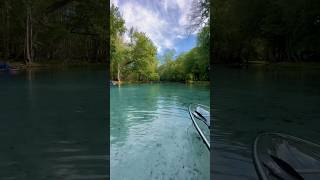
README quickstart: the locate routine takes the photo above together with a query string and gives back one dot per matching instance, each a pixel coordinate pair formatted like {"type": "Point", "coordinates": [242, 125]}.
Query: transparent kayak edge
{"type": "Point", "coordinates": [205, 140]}
{"type": "Point", "coordinates": [256, 160]}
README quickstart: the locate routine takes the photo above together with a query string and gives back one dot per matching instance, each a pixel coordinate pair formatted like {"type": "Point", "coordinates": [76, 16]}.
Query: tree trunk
{"type": "Point", "coordinates": [26, 49]}
{"type": "Point", "coordinates": [6, 34]}
{"type": "Point", "coordinates": [31, 36]}
{"type": "Point", "coordinates": [118, 74]}
{"type": "Point", "coordinates": [28, 37]}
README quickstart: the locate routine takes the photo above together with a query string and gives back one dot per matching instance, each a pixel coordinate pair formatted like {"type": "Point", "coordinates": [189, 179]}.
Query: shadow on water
{"type": "Point", "coordinates": [53, 125]}
{"type": "Point", "coordinates": [247, 102]}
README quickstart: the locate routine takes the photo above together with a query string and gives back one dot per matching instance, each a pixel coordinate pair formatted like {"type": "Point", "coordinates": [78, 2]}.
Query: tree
{"type": "Point", "coordinates": [190, 66]}
{"type": "Point", "coordinates": [272, 30]}
{"type": "Point", "coordinates": [134, 60]}
{"type": "Point", "coordinates": [118, 49]}
{"type": "Point", "coordinates": [45, 30]}
{"type": "Point", "coordinates": [200, 15]}
{"type": "Point", "coordinates": [144, 56]}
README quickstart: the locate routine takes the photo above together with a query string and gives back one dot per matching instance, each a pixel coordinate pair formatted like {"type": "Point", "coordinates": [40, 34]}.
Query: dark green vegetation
{"type": "Point", "coordinates": [270, 30]}
{"type": "Point", "coordinates": [137, 60]}
{"type": "Point", "coordinates": [43, 31]}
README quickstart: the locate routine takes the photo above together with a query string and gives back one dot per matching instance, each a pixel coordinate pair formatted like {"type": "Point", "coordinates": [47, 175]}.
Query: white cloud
{"type": "Point", "coordinates": [163, 26]}
{"type": "Point", "coordinates": [185, 7]}
{"type": "Point", "coordinates": [114, 2]}
{"type": "Point", "coordinates": [179, 36]}
{"type": "Point", "coordinates": [165, 4]}
{"type": "Point", "coordinates": [147, 21]}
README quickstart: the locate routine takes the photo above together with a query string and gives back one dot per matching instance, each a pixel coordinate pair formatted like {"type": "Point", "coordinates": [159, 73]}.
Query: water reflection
{"type": "Point", "coordinates": [249, 102]}
{"type": "Point", "coordinates": [53, 125]}
{"type": "Point", "coordinates": [151, 134]}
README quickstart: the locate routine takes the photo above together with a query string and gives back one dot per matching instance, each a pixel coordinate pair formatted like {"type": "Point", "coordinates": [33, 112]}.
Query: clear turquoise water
{"type": "Point", "coordinates": [247, 102]}
{"type": "Point", "coordinates": [151, 134]}
{"type": "Point", "coordinates": [53, 125]}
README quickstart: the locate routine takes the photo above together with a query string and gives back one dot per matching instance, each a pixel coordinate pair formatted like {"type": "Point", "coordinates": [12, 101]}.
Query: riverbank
{"type": "Point", "coordinates": [303, 65]}
{"type": "Point", "coordinates": [152, 82]}
{"type": "Point", "coordinates": [273, 65]}
{"type": "Point", "coordinates": [53, 64]}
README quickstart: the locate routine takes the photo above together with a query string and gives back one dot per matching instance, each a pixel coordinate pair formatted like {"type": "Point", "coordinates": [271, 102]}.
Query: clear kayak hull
{"type": "Point", "coordinates": [200, 116]}
{"type": "Point", "coordinates": [280, 156]}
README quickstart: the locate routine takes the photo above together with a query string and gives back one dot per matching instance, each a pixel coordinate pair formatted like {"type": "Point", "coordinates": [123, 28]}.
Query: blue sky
{"type": "Point", "coordinates": [164, 21]}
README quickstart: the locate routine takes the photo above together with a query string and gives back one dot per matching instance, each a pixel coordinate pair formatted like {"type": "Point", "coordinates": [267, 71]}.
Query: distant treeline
{"type": "Point", "coordinates": [190, 66]}
{"type": "Point", "coordinates": [193, 65]}
{"type": "Point", "coordinates": [50, 30]}
{"type": "Point", "coordinates": [268, 30]}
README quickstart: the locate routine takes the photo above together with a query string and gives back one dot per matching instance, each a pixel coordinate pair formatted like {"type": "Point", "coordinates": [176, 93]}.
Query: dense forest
{"type": "Point", "coordinates": [34, 31]}
{"type": "Point", "coordinates": [137, 59]}
{"type": "Point", "coordinates": [266, 30]}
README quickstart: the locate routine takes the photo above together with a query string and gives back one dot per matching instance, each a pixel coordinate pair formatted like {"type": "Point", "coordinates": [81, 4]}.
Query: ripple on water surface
{"type": "Point", "coordinates": [247, 102]}
{"type": "Point", "coordinates": [152, 136]}
{"type": "Point", "coordinates": [53, 125]}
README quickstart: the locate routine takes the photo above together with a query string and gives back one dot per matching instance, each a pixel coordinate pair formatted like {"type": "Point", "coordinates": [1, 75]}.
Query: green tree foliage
{"type": "Point", "coordinates": [45, 30]}
{"type": "Point", "coordinates": [190, 66]}
{"type": "Point", "coordinates": [194, 64]}
{"type": "Point", "coordinates": [271, 30]}
{"type": "Point", "coordinates": [118, 50]}
{"type": "Point", "coordinates": [144, 57]}
{"type": "Point", "coordinates": [135, 60]}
